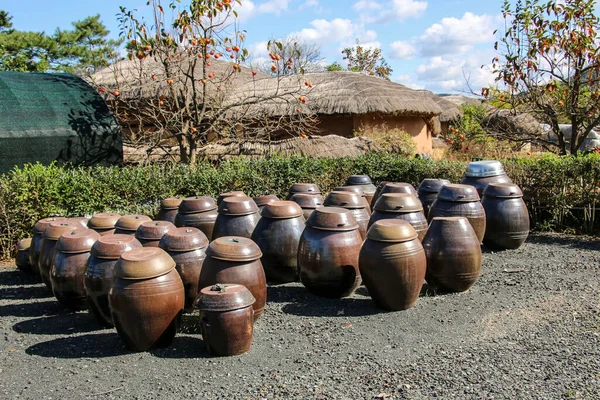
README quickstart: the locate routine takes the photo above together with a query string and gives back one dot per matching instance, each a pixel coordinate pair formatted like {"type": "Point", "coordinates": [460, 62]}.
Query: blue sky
{"type": "Point", "coordinates": [431, 44]}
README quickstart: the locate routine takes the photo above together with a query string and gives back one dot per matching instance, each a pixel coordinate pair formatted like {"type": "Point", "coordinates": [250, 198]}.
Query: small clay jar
{"type": "Point", "coordinates": [238, 216]}
{"type": "Point", "coordinates": [507, 218]}
{"type": "Point", "coordinates": [359, 191]}
{"type": "Point", "coordinates": [227, 319]}
{"type": "Point", "coordinates": [307, 202]}
{"type": "Point", "coordinates": [262, 201]}
{"type": "Point", "coordinates": [146, 299]}
{"type": "Point", "coordinates": [22, 257]}
{"type": "Point", "coordinates": [365, 183]}
{"type": "Point", "coordinates": [99, 273]}
{"type": "Point", "coordinates": [187, 247]}
{"type": "Point", "coordinates": [277, 234]}
{"type": "Point", "coordinates": [353, 203]}
{"type": "Point", "coordinates": [393, 264]}
{"type": "Point", "coordinates": [402, 206]}
{"type": "Point", "coordinates": [49, 240]}
{"type": "Point", "coordinates": [309, 188]}
{"type": "Point", "coordinates": [377, 192]}
{"type": "Point", "coordinates": [36, 242]}
{"type": "Point", "coordinates": [198, 212]}
{"type": "Point", "coordinates": [480, 174]}
{"type": "Point", "coordinates": [453, 254]}
{"type": "Point", "coordinates": [428, 191]}
{"type": "Point", "coordinates": [128, 224]}
{"type": "Point", "coordinates": [150, 232]}
{"type": "Point", "coordinates": [67, 273]}
{"type": "Point", "coordinates": [328, 253]}
{"type": "Point", "coordinates": [235, 259]}
{"type": "Point", "coordinates": [83, 221]}
{"type": "Point", "coordinates": [456, 200]}
{"type": "Point", "coordinates": [168, 209]}
{"type": "Point", "coordinates": [235, 193]}
{"type": "Point", "coordinates": [104, 223]}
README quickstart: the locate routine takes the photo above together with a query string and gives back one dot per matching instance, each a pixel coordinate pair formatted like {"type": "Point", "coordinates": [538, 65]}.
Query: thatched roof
{"type": "Point", "coordinates": [450, 111]}
{"type": "Point", "coordinates": [506, 123]}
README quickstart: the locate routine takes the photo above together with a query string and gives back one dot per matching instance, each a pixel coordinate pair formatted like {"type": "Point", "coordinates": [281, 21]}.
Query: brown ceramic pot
{"type": "Point", "coordinates": [83, 221]}
{"type": "Point", "coordinates": [128, 224]}
{"type": "Point", "coordinates": [262, 201]}
{"type": "Point", "coordinates": [377, 192]}
{"type": "Point", "coordinates": [98, 275]}
{"type": "Point", "coordinates": [507, 218]}
{"type": "Point", "coordinates": [277, 234]}
{"type": "Point", "coordinates": [359, 191]}
{"type": "Point", "coordinates": [453, 254]}
{"type": "Point", "coordinates": [238, 216]}
{"type": "Point", "coordinates": [187, 247]}
{"type": "Point", "coordinates": [36, 242]}
{"type": "Point", "coordinates": [480, 174]}
{"type": "Point", "coordinates": [481, 183]}
{"type": "Point", "coordinates": [393, 264]}
{"type": "Point", "coordinates": [309, 188]}
{"type": "Point", "coordinates": [456, 200]}
{"type": "Point", "coordinates": [365, 183]}
{"type": "Point", "coordinates": [398, 187]}
{"type": "Point", "coordinates": [308, 202]}
{"type": "Point", "coordinates": [353, 203]}
{"type": "Point", "coordinates": [235, 193]}
{"type": "Point", "coordinates": [328, 253]}
{"type": "Point", "coordinates": [402, 206]}
{"type": "Point", "coordinates": [227, 319]}
{"type": "Point", "coordinates": [146, 299]}
{"type": "Point", "coordinates": [234, 259]}
{"type": "Point", "coordinates": [150, 232]}
{"type": "Point", "coordinates": [104, 223]}
{"type": "Point", "coordinates": [49, 239]}
{"type": "Point", "coordinates": [198, 212]}
{"type": "Point", "coordinates": [68, 268]}
{"type": "Point", "coordinates": [428, 192]}
{"type": "Point", "coordinates": [22, 257]}
{"type": "Point", "coordinates": [168, 209]}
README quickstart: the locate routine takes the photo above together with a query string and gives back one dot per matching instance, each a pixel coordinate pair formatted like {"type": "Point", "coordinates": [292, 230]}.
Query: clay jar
{"type": "Point", "coordinates": [456, 200]}
{"type": "Point", "coordinates": [98, 275]}
{"type": "Point", "coordinates": [507, 218]}
{"type": "Point", "coordinates": [308, 202]}
{"type": "Point", "coordinates": [428, 191]}
{"type": "Point", "coordinates": [235, 193]}
{"type": "Point", "coordinates": [128, 224]}
{"type": "Point", "coordinates": [67, 273]}
{"type": "Point", "coordinates": [328, 253]}
{"type": "Point", "coordinates": [235, 259]}
{"type": "Point", "coordinates": [36, 242]}
{"type": "Point", "coordinates": [49, 239]}
{"type": "Point", "coordinates": [393, 264]}
{"type": "Point", "coordinates": [358, 190]}
{"type": "Point", "coordinates": [309, 188]}
{"type": "Point", "coordinates": [262, 201]}
{"type": "Point", "coordinates": [22, 257]}
{"type": "Point", "coordinates": [365, 183]}
{"type": "Point", "coordinates": [277, 234]}
{"type": "Point", "coordinates": [238, 216]}
{"type": "Point", "coordinates": [402, 206]}
{"type": "Point", "coordinates": [104, 223]}
{"type": "Point", "coordinates": [227, 319]}
{"type": "Point", "coordinates": [150, 232]}
{"type": "Point", "coordinates": [480, 174]}
{"type": "Point", "coordinates": [353, 203]}
{"type": "Point", "coordinates": [146, 299]}
{"type": "Point", "coordinates": [453, 254]}
{"type": "Point", "coordinates": [168, 209]}
{"type": "Point", "coordinates": [187, 247]}
{"type": "Point", "coordinates": [198, 212]}
{"type": "Point", "coordinates": [83, 221]}
{"type": "Point", "coordinates": [377, 192]}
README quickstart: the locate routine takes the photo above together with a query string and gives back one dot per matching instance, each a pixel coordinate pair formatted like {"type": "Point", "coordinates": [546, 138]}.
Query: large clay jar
{"type": "Point", "coordinates": [198, 212]}
{"type": "Point", "coordinates": [481, 173]}
{"type": "Point", "coordinates": [227, 319]}
{"type": "Point", "coordinates": [359, 191]}
{"type": "Point", "coordinates": [507, 218]}
{"type": "Point", "coordinates": [99, 273]}
{"type": "Point", "coordinates": [146, 299]}
{"type": "Point", "coordinates": [307, 202]}
{"type": "Point", "coordinates": [402, 206]}
{"type": "Point", "coordinates": [277, 235]}
{"type": "Point", "coordinates": [104, 223]}
{"type": "Point", "coordinates": [238, 216]}
{"type": "Point", "coordinates": [328, 253]}
{"type": "Point", "coordinates": [22, 257]}
{"type": "Point", "coordinates": [453, 254]}
{"type": "Point", "coordinates": [380, 186]}
{"type": "Point", "coordinates": [365, 183]}
{"type": "Point", "coordinates": [67, 273]}
{"type": "Point", "coordinates": [456, 200]}
{"type": "Point", "coordinates": [83, 221]}
{"type": "Point", "coordinates": [235, 259]}
{"type": "Point", "coordinates": [168, 209]}
{"type": "Point", "coordinates": [398, 187]}
{"type": "Point", "coordinates": [235, 193]}
{"type": "Point", "coordinates": [309, 188]}
{"type": "Point", "coordinates": [187, 247]}
{"type": "Point", "coordinates": [49, 239]}
{"type": "Point", "coordinates": [353, 203]}
{"type": "Point", "coordinates": [36, 242]}
{"type": "Point", "coordinates": [128, 224]}
{"type": "Point", "coordinates": [150, 232]}
{"type": "Point", "coordinates": [393, 264]}
{"type": "Point", "coordinates": [428, 192]}
{"type": "Point", "coordinates": [262, 201]}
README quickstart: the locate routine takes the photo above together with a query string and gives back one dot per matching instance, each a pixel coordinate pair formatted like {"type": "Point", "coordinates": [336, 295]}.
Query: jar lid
{"type": "Point", "coordinates": [347, 200]}
{"type": "Point", "coordinates": [83, 221]}
{"type": "Point", "coordinates": [483, 169]}
{"type": "Point", "coordinates": [359, 180]}
{"type": "Point", "coordinates": [398, 203]}
{"type": "Point", "coordinates": [197, 204]}
{"type": "Point", "coordinates": [153, 230]}
{"type": "Point", "coordinates": [131, 222]}
{"type": "Point", "coordinates": [399, 187]}
{"type": "Point", "coordinates": [304, 188]}
{"type": "Point", "coordinates": [224, 297]}
{"type": "Point", "coordinates": [105, 220]}
{"type": "Point", "coordinates": [24, 244]}
{"type": "Point", "coordinates": [57, 228]}
{"type": "Point", "coordinates": [79, 240]}
{"type": "Point", "coordinates": [459, 193]}
{"type": "Point", "coordinates": [306, 200]}
{"type": "Point", "coordinates": [170, 203]}
{"type": "Point", "coordinates": [432, 185]}
{"type": "Point", "coordinates": [382, 184]}
{"type": "Point", "coordinates": [235, 205]}
{"type": "Point", "coordinates": [41, 225]}
{"type": "Point", "coordinates": [281, 209]}
{"type": "Point", "coordinates": [353, 189]}
{"type": "Point", "coordinates": [233, 248]}
{"type": "Point", "coordinates": [503, 190]}
{"type": "Point", "coordinates": [392, 230]}
{"type": "Point", "coordinates": [112, 246]}
{"type": "Point", "coordinates": [183, 239]}
{"type": "Point", "coordinates": [332, 219]}
{"type": "Point", "coordinates": [143, 263]}
{"type": "Point", "coordinates": [235, 193]}
{"type": "Point", "coordinates": [262, 200]}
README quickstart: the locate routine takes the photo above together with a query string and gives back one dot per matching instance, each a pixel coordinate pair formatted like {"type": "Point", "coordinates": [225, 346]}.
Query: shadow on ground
{"type": "Point", "coordinates": [36, 309]}
{"type": "Point", "coordinates": [15, 277]}
{"type": "Point", "coordinates": [90, 345]}
{"type": "Point", "coordinates": [183, 347]}
{"type": "Point", "coordinates": [61, 324]}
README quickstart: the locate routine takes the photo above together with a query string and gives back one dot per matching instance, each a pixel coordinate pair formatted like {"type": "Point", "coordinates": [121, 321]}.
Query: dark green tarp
{"type": "Point", "coordinates": [55, 117]}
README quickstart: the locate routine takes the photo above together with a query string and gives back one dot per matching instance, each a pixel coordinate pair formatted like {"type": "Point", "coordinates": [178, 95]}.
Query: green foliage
{"type": "Point", "coordinates": [360, 59]}
{"type": "Point", "coordinates": [335, 66]}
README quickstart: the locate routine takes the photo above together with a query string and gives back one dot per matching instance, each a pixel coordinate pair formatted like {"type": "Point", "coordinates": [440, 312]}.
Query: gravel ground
{"type": "Point", "coordinates": [528, 329]}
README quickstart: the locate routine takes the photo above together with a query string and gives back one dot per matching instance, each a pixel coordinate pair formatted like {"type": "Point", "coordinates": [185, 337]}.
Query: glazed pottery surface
{"type": "Point", "coordinates": [104, 223]}
{"type": "Point", "coordinates": [481, 173]}
{"type": "Point", "coordinates": [128, 224]}
{"type": "Point", "coordinates": [262, 201]}
{"type": "Point", "coordinates": [236, 193]}
{"type": "Point", "coordinates": [308, 202]}
{"type": "Point", "coordinates": [36, 242]}
{"type": "Point", "coordinates": [150, 232]}
{"type": "Point", "coordinates": [22, 257]}
{"type": "Point", "coordinates": [49, 239]}
{"type": "Point", "coordinates": [364, 182]}
{"type": "Point", "coordinates": [205, 221]}
{"type": "Point", "coordinates": [309, 188]}
{"type": "Point", "coordinates": [358, 190]}
{"type": "Point", "coordinates": [352, 202]}
{"type": "Point", "coordinates": [238, 216]}
{"type": "Point", "coordinates": [402, 206]}
{"type": "Point", "coordinates": [480, 183]}
{"type": "Point", "coordinates": [428, 191]}
{"type": "Point", "coordinates": [168, 209]}
{"type": "Point", "coordinates": [398, 187]}
{"type": "Point", "coordinates": [507, 217]}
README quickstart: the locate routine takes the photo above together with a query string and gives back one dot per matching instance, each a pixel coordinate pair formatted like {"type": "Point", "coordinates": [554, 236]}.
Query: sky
{"type": "Point", "coordinates": [438, 45]}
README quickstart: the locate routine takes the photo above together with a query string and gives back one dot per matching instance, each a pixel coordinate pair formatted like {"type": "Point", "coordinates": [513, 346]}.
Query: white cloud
{"type": "Point", "coordinates": [337, 30]}
{"type": "Point", "coordinates": [273, 7]}
{"type": "Point", "coordinates": [309, 4]}
{"type": "Point", "coordinates": [450, 73]}
{"type": "Point", "coordinates": [249, 9]}
{"type": "Point", "coordinates": [408, 81]}
{"type": "Point", "coordinates": [394, 10]}
{"type": "Point", "coordinates": [366, 5]}
{"type": "Point", "coordinates": [402, 50]}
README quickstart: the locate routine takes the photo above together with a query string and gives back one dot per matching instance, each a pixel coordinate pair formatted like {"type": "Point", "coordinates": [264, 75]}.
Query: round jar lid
{"type": "Point", "coordinates": [398, 203]}
{"type": "Point", "coordinates": [347, 200]}
{"type": "Point", "coordinates": [131, 222]}
{"type": "Point", "coordinates": [112, 246]}
{"type": "Point", "coordinates": [359, 180]}
{"type": "Point", "coordinates": [306, 200]}
{"type": "Point", "coordinates": [80, 240]}
{"type": "Point", "coordinates": [234, 248]}
{"type": "Point", "coordinates": [459, 193]}
{"type": "Point", "coordinates": [143, 263]}
{"type": "Point", "coordinates": [353, 189]}
{"type": "Point", "coordinates": [391, 230]}
{"type": "Point", "coordinates": [263, 200]}
{"type": "Point", "coordinates": [83, 221]}
{"type": "Point", "coordinates": [332, 219]}
{"type": "Point", "coordinates": [170, 203]}
{"type": "Point", "coordinates": [43, 223]}
{"type": "Point", "coordinates": [235, 205]}
{"type": "Point", "coordinates": [224, 297]}
{"type": "Point", "coordinates": [432, 185]}
{"type": "Point", "coordinates": [281, 209]}
{"type": "Point", "coordinates": [105, 220]}
{"type": "Point", "coordinates": [503, 190]}
{"type": "Point", "coordinates": [153, 230]}
{"type": "Point", "coordinates": [399, 187]}
{"type": "Point", "coordinates": [235, 193]}
{"type": "Point", "coordinates": [24, 244]}
{"type": "Point", "coordinates": [183, 239]}
{"type": "Point", "coordinates": [483, 169]}
{"type": "Point", "coordinates": [197, 204]}
{"type": "Point", "coordinates": [57, 228]}
{"type": "Point", "coordinates": [304, 188]}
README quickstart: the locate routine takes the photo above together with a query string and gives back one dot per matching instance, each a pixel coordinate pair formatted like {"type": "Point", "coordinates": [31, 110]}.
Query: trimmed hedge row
{"type": "Point", "coordinates": [561, 192]}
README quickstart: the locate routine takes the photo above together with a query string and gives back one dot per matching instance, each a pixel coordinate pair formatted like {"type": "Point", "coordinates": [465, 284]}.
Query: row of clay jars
{"type": "Point", "coordinates": [402, 206]}
{"type": "Point", "coordinates": [197, 212]}
{"type": "Point", "coordinates": [353, 203]}
{"type": "Point", "coordinates": [36, 242]}
{"type": "Point", "coordinates": [507, 218]}
{"type": "Point", "coordinates": [48, 246]}
{"type": "Point", "coordinates": [428, 192]}
{"type": "Point", "coordinates": [365, 184]}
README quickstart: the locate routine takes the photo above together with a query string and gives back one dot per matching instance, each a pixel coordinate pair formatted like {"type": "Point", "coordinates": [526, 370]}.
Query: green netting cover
{"type": "Point", "coordinates": [55, 117]}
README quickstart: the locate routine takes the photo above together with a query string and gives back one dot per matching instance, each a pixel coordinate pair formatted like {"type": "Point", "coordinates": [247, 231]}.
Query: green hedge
{"type": "Point", "coordinates": [560, 192]}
